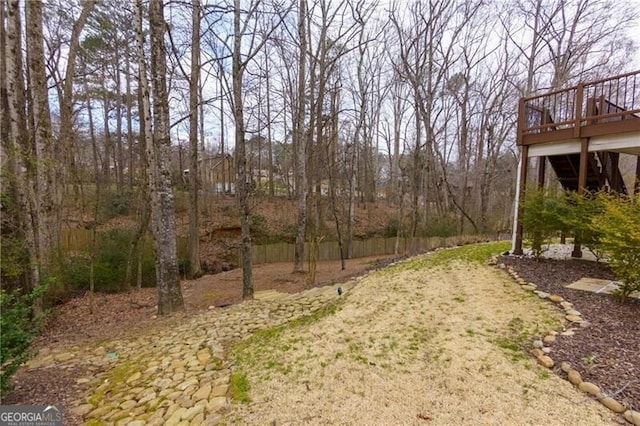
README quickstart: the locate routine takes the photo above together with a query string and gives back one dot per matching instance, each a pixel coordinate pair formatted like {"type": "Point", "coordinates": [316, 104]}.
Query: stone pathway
{"type": "Point", "coordinates": [179, 376]}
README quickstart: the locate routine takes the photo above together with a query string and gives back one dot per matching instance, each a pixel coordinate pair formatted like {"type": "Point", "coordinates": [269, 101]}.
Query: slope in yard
{"type": "Point", "coordinates": [437, 339]}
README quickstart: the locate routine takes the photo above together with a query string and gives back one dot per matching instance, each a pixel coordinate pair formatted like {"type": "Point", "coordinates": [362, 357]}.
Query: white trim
{"type": "Point", "coordinates": [516, 203]}
{"type": "Point", "coordinates": [555, 148]}
{"type": "Point", "coordinates": [623, 142]}
{"type": "Point", "coordinates": [628, 143]}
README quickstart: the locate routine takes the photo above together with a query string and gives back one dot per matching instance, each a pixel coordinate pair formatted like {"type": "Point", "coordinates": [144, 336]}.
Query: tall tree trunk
{"type": "Point", "coordinates": [223, 164]}
{"type": "Point", "coordinates": [41, 164]}
{"type": "Point", "coordinates": [351, 215]}
{"type": "Point", "coordinates": [119, 148]}
{"type": "Point", "coordinates": [65, 154]}
{"type": "Point", "coordinates": [4, 95]}
{"type": "Point", "coordinates": [17, 135]}
{"type": "Point", "coordinates": [269, 131]}
{"type": "Point", "coordinates": [98, 196]}
{"type": "Point", "coordinates": [163, 221]}
{"type": "Point", "coordinates": [194, 175]}
{"type": "Point", "coordinates": [108, 143]}
{"type": "Point", "coordinates": [143, 211]}
{"type": "Point", "coordinates": [243, 185]}
{"type": "Point", "coordinates": [129, 106]}
{"type": "Point", "coordinates": [299, 142]}
{"type": "Point", "coordinates": [332, 169]}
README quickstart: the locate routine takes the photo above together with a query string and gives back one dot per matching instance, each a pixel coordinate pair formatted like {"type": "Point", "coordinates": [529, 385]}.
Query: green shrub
{"type": "Point", "coordinates": [14, 256]}
{"type": "Point", "coordinates": [581, 212]}
{"type": "Point", "coordinates": [287, 234]}
{"type": "Point", "coordinates": [116, 203]}
{"type": "Point", "coordinates": [72, 274]}
{"type": "Point", "coordinates": [258, 228]}
{"type": "Point", "coordinates": [443, 226]}
{"type": "Point", "coordinates": [17, 328]}
{"type": "Point", "coordinates": [543, 215]}
{"type": "Point", "coordinates": [14, 262]}
{"type": "Point", "coordinates": [109, 267]}
{"type": "Point", "coordinates": [393, 228]}
{"type": "Point", "coordinates": [618, 228]}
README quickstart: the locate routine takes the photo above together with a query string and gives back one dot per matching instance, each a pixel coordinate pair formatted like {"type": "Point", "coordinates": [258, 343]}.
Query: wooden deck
{"type": "Point", "coordinates": [607, 111]}
{"type": "Point", "coordinates": [581, 132]}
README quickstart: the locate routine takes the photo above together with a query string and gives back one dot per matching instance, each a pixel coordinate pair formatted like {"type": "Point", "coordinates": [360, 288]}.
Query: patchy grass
{"type": "Point", "coordinates": [443, 324]}
{"type": "Point", "coordinates": [265, 349]}
{"type": "Point", "coordinates": [518, 333]}
{"type": "Point", "coordinates": [474, 253]}
{"type": "Point", "coordinates": [115, 380]}
{"type": "Point", "coordinates": [239, 388]}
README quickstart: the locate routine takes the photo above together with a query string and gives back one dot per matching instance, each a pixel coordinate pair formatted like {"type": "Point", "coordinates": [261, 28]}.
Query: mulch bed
{"type": "Point", "coordinates": [607, 351]}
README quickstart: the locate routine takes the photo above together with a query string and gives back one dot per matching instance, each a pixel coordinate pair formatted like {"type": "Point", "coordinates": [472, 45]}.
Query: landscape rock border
{"type": "Point", "coordinates": [541, 348]}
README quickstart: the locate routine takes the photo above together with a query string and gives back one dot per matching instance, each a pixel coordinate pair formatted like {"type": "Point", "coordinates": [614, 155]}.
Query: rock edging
{"type": "Point", "coordinates": [541, 350]}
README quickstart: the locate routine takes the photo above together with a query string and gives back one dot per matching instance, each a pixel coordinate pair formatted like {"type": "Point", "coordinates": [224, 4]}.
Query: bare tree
{"type": "Point", "coordinates": [17, 147]}
{"type": "Point", "coordinates": [299, 141]}
{"type": "Point", "coordinates": [561, 42]}
{"type": "Point", "coordinates": [243, 184]}
{"type": "Point", "coordinates": [65, 97]}
{"type": "Point", "coordinates": [240, 60]}
{"type": "Point", "coordinates": [194, 175]}
{"type": "Point", "coordinates": [41, 167]}
{"type": "Point", "coordinates": [163, 222]}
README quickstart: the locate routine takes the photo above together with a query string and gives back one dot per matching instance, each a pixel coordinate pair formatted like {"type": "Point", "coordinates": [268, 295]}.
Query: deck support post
{"type": "Point", "coordinates": [637, 183]}
{"type": "Point", "coordinates": [542, 168]}
{"type": "Point", "coordinates": [582, 185]}
{"type": "Point", "coordinates": [520, 193]}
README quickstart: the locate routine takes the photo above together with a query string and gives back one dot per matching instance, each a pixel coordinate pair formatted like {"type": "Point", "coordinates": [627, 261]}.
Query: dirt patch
{"type": "Point", "coordinates": [102, 317]}
{"type": "Point", "coordinates": [109, 316]}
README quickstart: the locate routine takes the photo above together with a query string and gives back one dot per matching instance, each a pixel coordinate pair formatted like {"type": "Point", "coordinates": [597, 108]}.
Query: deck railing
{"type": "Point", "coordinates": [568, 112]}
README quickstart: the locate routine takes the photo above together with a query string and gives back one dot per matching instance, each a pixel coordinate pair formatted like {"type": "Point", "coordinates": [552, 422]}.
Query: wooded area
{"type": "Point", "coordinates": [329, 103]}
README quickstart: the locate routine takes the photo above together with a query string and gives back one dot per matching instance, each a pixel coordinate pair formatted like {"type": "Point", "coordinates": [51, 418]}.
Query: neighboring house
{"type": "Point", "coordinates": [218, 173]}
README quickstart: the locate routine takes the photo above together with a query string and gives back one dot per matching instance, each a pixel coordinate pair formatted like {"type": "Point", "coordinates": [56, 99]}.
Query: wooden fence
{"type": "Point", "coordinates": [79, 239]}
{"type": "Point", "coordinates": [329, 250]}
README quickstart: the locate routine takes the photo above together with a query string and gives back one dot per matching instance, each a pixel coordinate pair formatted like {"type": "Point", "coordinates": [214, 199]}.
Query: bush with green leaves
{"type": "Point", "coordinates": [259, 231]}
{"type": "Point", "coordinates": [116, 203]}
{"type": "Point", "coordinates": [579, 216]}
{"type": "Point", "coordinates": [544, 214]}
{"type": "Point", "coordinates": [607, 224]}
{"type": "Point", "coordinates": [618, 229]}
{"type": "Point", "coordinates": [394, 228]}
{"type": "Point", "coordinates": [17, 328]}
{"type": "Point", "coordinates": [109, 267]}
{"type": "Point", "coordinates": [441, 226]}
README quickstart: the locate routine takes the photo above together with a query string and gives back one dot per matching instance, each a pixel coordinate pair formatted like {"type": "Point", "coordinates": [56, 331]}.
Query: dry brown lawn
{"type": "Point", "coordinates": [440, 344]}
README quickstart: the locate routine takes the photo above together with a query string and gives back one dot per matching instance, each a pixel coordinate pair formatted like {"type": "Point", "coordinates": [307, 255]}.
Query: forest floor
{"type": "Point", "coordinates": [445, 321]}
{"type": "Point", "coordinates": [92, 319]}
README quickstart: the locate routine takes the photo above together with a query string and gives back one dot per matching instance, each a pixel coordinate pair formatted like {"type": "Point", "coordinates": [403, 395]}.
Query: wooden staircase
{"type": "Point", "coordinates": [602, 171]}
{"type": "Point", "coordinates": [567, 169]}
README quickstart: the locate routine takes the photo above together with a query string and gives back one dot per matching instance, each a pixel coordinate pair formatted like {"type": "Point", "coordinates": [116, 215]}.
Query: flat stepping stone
{"type": "Point", "coordinates": [597, 285]}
